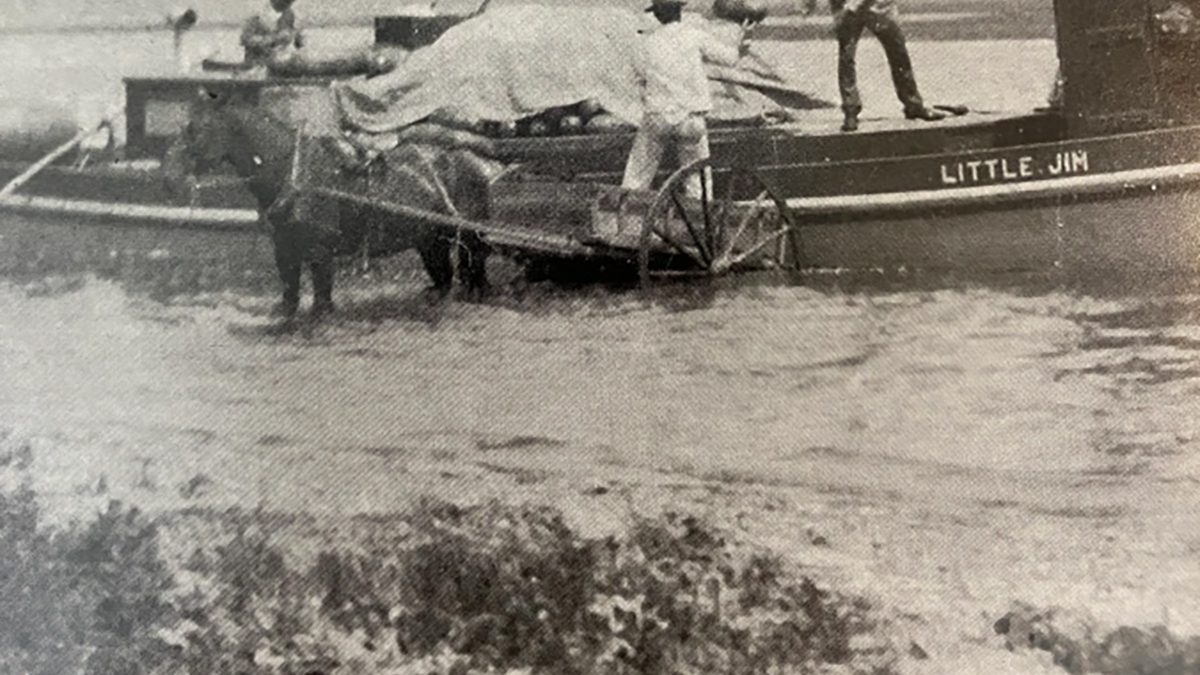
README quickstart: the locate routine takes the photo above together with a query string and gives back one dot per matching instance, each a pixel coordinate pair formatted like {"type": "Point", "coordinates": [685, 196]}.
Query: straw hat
{"type": "Point", "coordinates": [655, 4]}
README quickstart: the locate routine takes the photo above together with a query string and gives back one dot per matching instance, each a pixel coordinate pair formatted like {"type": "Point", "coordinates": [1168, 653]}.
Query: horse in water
{"type": "Point", "coordinates": [313, 229]}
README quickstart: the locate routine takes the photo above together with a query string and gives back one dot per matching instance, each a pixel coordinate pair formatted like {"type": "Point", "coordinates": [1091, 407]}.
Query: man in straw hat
{"type": "Point", "coordinates": [675, 94]}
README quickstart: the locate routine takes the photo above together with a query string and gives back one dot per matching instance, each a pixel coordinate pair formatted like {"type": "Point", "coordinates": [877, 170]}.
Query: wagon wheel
{"type": "Point", "coordinates": [744, 226]}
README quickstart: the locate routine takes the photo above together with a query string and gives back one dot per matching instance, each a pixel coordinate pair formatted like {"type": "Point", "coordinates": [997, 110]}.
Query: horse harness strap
{"type": "Point", "coordinates": [376, 164]}
{"type": "Point", "coordinates": [451, 209]}
{"type": "Point", "coordinates": [437, 184]}
{"type": "Point", "coordinates": [286, 195]}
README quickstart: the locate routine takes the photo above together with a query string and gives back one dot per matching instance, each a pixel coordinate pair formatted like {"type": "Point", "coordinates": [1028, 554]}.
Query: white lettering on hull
{"type": "Point", "coordinates": [1005, 169]}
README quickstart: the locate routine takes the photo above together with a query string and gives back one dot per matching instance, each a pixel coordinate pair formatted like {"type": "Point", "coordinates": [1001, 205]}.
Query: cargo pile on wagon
{"type": "Point", "coordinates": [548, 71]}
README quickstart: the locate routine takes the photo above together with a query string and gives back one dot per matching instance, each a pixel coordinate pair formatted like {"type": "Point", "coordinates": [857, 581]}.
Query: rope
{"type": "Point", "coordinates": [290, 187]}
{"type": "Point", "coordinates": [365, 253]}
{"type": "Point", "coordinates": [49, 158]}
{"type": "Point", "coordinates": [436, 181]}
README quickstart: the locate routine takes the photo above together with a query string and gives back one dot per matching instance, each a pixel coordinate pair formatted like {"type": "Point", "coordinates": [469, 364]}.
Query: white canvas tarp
{"type": "Point", "coordinates": [515, 61]}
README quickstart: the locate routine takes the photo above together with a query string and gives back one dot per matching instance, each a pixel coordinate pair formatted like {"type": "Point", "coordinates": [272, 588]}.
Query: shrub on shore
{"type": "Point", "coordinates": [88, 599]}
{"type": "Point", "coordinates": [493, 588]}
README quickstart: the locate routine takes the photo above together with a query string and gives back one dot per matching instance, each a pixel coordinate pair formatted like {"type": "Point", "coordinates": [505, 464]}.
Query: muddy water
{"type": "Point", "coordinates": [1045, 384]}
{"type": "Point", "coordinates": [146, 330]}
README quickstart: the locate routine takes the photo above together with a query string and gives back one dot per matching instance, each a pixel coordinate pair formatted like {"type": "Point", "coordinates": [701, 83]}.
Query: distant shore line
{"type": "Point", "coordinates": [795, 28]}
{"type": "Point", "coordinates": [208, 26]}
{"type": "Point", "coordinates": [923, 19]}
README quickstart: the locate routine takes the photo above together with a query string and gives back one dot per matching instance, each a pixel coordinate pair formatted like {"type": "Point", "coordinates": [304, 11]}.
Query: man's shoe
{"type": "Point", "coordinates": [956, 109]}
{"type": "Point", "coordinates": [923, 113]}
{"type": "Point", "coordinates": [850, 123]}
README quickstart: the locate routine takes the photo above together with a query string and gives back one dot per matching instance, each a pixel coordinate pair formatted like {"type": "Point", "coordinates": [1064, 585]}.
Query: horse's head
{"type": "Point", "coordinates": [213, 137]}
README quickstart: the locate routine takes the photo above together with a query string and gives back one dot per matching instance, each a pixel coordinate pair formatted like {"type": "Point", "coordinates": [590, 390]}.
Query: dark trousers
{"type": "Point", "coordinates": [887, 30]}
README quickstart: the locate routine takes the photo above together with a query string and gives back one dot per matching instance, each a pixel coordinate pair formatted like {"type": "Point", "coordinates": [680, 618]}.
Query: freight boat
{"type": "Point", "coordinates": [1109, 180]}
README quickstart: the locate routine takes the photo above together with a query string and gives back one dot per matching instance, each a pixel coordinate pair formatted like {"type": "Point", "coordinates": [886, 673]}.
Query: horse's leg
{"type": "Point", "coordinates": [328, 237]}
{"type": "Point", "coordinates": [472, 264]}
{"type": "Point", "coordinates": [288, 260]}
{"type": "Point", "coordinates": [435, 254]}
{"type": "Point", "coordinates": [322, 276]}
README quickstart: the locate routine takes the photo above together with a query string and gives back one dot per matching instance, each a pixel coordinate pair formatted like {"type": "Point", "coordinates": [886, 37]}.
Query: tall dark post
{"type": "Point", "coordinates": [1128, 65]}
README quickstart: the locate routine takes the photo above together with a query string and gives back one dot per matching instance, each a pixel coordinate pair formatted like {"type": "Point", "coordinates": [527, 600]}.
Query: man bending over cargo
{"type": "Point", "coordinates": [270, 31]}
{"type": "Point", "coordinates": [675, 94]}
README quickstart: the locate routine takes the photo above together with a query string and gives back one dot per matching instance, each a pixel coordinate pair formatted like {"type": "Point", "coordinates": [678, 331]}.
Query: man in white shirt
{"type": "Point", "coordinates": [675, 94]}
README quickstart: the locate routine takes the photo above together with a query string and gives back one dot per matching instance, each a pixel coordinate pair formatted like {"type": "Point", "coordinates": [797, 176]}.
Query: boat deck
{"type": "Point", "coordinates": [815, 138]}
{"type": "Point", "coordinates": [828, 122]}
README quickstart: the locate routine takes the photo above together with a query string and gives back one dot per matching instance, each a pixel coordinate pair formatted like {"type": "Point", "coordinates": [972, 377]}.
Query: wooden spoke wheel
{"type": "Point", "coordinates": [690, 230]}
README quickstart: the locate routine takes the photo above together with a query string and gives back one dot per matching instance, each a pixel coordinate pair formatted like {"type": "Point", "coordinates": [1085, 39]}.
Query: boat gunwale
{"type": "Point", "coordinates": [1164, 176]}
{"type": "Point", "coordinates": [883, 204]}
{"type": "Point", "coordinates": [133, 213]}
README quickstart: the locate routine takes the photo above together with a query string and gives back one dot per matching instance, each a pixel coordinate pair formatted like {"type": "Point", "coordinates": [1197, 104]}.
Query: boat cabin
{"type": "Point", "coordinates": [157, 108]}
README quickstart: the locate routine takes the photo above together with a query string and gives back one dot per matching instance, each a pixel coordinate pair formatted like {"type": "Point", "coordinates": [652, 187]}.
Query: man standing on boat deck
{"type": "Point", "coordinates": [881, 17]}
{"type": "Point", "coordinates": [675, 94]}
{"type": "Point", "coordinates": [270, 31]}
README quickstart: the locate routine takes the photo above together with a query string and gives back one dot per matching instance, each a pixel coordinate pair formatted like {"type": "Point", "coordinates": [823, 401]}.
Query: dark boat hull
{"type": "Point", "coordinates": [1117, 223]}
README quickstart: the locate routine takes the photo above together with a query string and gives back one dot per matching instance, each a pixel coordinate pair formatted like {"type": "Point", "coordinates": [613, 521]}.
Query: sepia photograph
{"type": "Point", "coordinates": [613, 337]}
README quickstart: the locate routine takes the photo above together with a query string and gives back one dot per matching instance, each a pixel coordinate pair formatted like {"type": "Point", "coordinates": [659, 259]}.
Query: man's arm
{"type": "Point", "coordinates": [717, 51]}
{"type": "Point", "coordinates": [288, 22]}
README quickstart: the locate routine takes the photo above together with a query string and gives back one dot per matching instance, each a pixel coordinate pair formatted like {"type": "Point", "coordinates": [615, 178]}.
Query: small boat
{"type": "Point", "coordinates": [1107, 181]}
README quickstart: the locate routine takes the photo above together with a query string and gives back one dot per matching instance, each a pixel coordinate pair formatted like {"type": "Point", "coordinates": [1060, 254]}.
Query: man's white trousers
{"type": "Point", "coordinates": [690, 138]}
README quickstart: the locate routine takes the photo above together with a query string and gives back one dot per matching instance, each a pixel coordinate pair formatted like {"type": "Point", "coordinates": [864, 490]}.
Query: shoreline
{"type": "Point", "coordinates": [124, 28]}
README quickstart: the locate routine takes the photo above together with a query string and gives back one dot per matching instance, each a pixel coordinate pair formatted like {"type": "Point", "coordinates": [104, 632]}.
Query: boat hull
{"type": "Point", "coordinates": [129, 195]}
{"type": "Point", "coordinates": [1130, 230]}
{"type": "Point", "coordinates": [1127, 203]}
